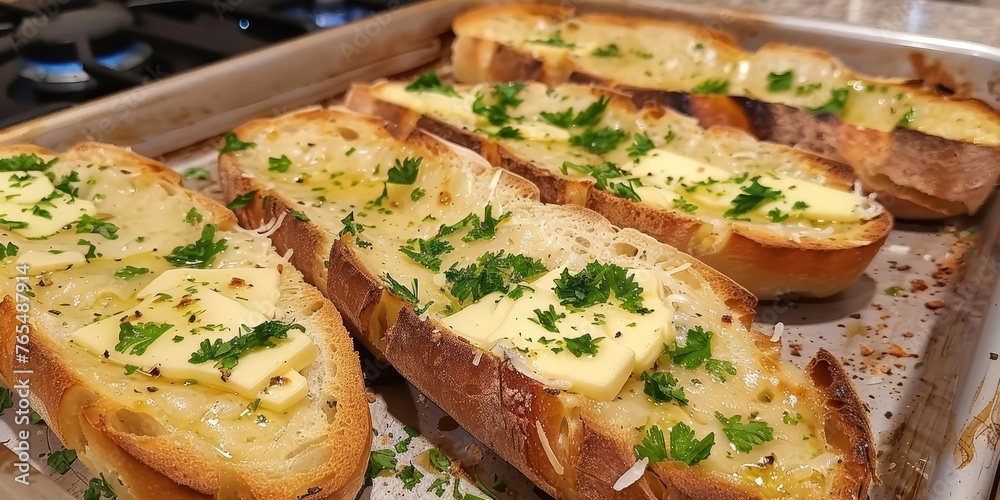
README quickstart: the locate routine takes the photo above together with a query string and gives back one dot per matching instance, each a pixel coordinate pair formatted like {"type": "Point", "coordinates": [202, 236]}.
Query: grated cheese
{"type": "Point", "coordinates": [556, 466]}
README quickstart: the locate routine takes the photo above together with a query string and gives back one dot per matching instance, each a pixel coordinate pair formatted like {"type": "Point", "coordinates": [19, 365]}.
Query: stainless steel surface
{"type": "Point", "coordinates": [928, 375]}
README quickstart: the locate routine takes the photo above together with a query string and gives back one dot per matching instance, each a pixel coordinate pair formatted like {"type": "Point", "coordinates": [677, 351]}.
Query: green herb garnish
{"type": "Point", "coordinates": [226, 354]}
{"type": "Point", "coordinates": [745, 436]}
{"type": "Point", "coordinates": [62, 460]}
{"type": "Point", "coordinates": [713, 86]}
{"type": "Point", "coordinates": [201, 253]}
{"type": "Point", "coordinates": [241, 200]}
{"type": "Point", "coordinates": [429, 82]}
{"type": "Point", "coordinates": [661, 387]}
{"type": "Point", "coordinates": [780, 82]}
{"type": "Point", "coordinates": [234, 143]}
{"type": "Point", "coordinates": [129, 272]}
{"type": "Point", "coordinates": [279, 164]}
{"type": "Point", "coordinates": [137, 337]}
{"type": "Point", "coordinates": [88, 224]}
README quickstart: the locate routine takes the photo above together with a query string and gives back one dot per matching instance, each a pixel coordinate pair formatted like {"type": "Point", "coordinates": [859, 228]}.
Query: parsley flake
{"type": "Point", "coordinates": [547, 319]}
{"type": "Point", "coordinates": [227, 353]}
{"type": "Point", "coordinates": [751, 196]}
{"type": "Point", "coordinates": [429, 82]}
{"type": "Point", "coordinates": [62, 460]}
{"type": "Point", "coordinates": [492, 272]}
{"type": "Point", "coordinates": [99, 488]}
{"type": "Point", "coordinates": [609, 50]}
{"type": "Point", "coordinates": [599, 141]}
{"type": "Point", "coordinates": [88, 224]}
{"type": "Point", "coordinates": [640, 146]}
{"type": "Point", "coordinates": [684, 447]}
{"type": "Point", "coordinates": [834, 106]}
{"type": "Point", "coordinates": [745, 436]}
{"type": "Point", "coordinates": [405, 172]}
{"type": "Point", "coordinates": [661, 387]}
{"type": "Point", "coordinates": [279, 164]}
{"type": "Point", "coordinates": [201, 253]}
{"type": "Point", "coordinates": [234, 143]}
{"type": "Point", "coordinates": [137, 337]}
{"type": "Point", "coordinates": [554, 41]}
{"type": "Point", "coordinates": [129, 272]}
{"type": "Point", "coordinates": [241, 200]}
{"type": "Point", "coordinates": [713, 86]}
{"type": "Point", "coordinates": [780, 82]}
{"type": "Point", "coordinates": [695, 350]}
{"type": "Point", "coordinates": [582, 345]}
{"type": "Point", "coordinates": [193, 216]}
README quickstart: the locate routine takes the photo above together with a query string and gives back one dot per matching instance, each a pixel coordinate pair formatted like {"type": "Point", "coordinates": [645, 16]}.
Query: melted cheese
{"type": "Point", "coordinates": [761, 386]}
{"type": "Point", "coordinates": [73, 296]}
{"type": "Point", "coordinates": [684, 58]}
{"type": "Point", "coordinates": [668, 172]}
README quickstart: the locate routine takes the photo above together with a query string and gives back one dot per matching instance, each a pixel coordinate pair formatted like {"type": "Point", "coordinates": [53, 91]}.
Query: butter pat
{"type": "Point", "coordinates": [256, 288]}
{"type": "Point", "coordinates": [196, 312]}
{"type": "Point", "coordinates": [40, 262]}
{"type": "Point", "coordinates": [626, 342]}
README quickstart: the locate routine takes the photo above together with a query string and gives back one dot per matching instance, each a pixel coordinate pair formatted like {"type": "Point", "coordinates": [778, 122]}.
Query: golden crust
{"type": "Point", "coordinates": [917, 175]}
{"type": "Point", "coordinates": [767, 263]}
{"type": "Point", "coordinates": [502, 407]}
{"type": "Point", "coordinates": [142, 453]}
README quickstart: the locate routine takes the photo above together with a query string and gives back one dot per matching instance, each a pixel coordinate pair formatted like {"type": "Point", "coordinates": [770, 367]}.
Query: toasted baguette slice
{"type": "Point", "coordinates": [426, 249]}
{"type": "Point", "coordinates": [162, 429]}
{"type": "Point", "coordinates": [931, 156]}
{"type": "Point", "coordinates": [769, 252]}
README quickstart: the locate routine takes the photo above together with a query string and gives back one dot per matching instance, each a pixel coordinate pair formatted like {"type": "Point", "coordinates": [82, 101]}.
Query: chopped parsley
{"type": "Point", "coordinates": [66, 184]}
{"type": "Point", "coordinates": [713, 86]}
{"type": "Point", "coordinates": [780, 82]}
{"type": "Point", "coordinates": [719, 368]}
{"type": "Point", "coordinates": [640, 146]}
{"type": "Point", "coordinates": [695, 350]}
{"type": "Point", "coordinates": [299, 215]}
{"type": "Point", "coordinates": [429, 82]}
{"type": "Point", "coordinates": [492, 272]}
{"type": "Point", "coordinates": [485, 228]}
{"type": "Point", "coordinates": [234, 143]}
{"type": "Point", "coordinates": [193, 216]}
{"type": "Point", "coordinates": [508, 132]}
{"type": "Point", "coordinates": [129, 272]}
{"type": "Point", "coordinates": [62, 460]}
{"type": "Point", "coordinates": [438, 460]}
{"type": "Point", "coordinates": [800, 205]}
{"type": "Point", "coordinates": [681, 204]}
{"type": "Point", "coordinates": [684, 447]}
{"type": "Point", "coordinates": [27, 162]}
{"type": "Point", "coordinates": [99, 488]}
{"type": "Point", "coordinates": [554, 41]}
{"type": "Point", "coordinates": [91, 250]}
{"type": "Point", "coordinates": [379, 461]}
{"type": "Point", "coordinates": [582, 345]}
{"type": "Point", "coordinates": [226, 354]}
{"type": "Point", "coordinates": [790, 419]}
{"type": "Point", "coordinates": [196, 173]}
{"type": "Point", "coordinates": [241, 200]}
{"type": "Point", "coordinates": [355, 229]}
{"type": "Point", "coordinates": [653, 446]}
{"type": "Point", "coordinates": [893, 291]}
{"type": "Point", "coordinates": [547, 319]}
{"type": "Point", "coordinates": [906, 119]}
{"type": "Point", "coordinates": [427, 252]}
{"type": "Point", "coordinates": [401, 291]}
{"type": "Point", "coordinates": [405, 172]}
{"type": "Point", "coordinates": [745, 436]}
{"type": "Point", "coordinates": [34, 417]}
{"type": "Point", "coordinates": [88, 224]}
{"type": "Point", "coordinates": [595, 283]}
{"type": "Point", "coordinates": [349, 153]}
{"type": "Point", "coordinates": [625, 189]}
{"type": "Point", "coordinates": [776, 215]}
{"type": "Point", "coordinates": [279, 164]}
{"type": "Point", "coordinates": [137, 337]}
{"type": "Point", "coordinates": [751, 196]}
{"type": "Point", "coordinates": [592, 114]}
{"type": "Point", "coordinates": [410, 477]}
{"type": "Point", "coordinates": [609, 50]}
{"type": "Point", "coordinates": [599, 141]}
{"type": "Point", "coordinates": [504, 96]}
{"type": "Point", "coordinates": [661, 387]}
{"type": "Point", "coordinates": [642, 54]}
{"type": "Point", "coordinates": [130, 369]}
{"type": "Point", "coordinates": [9, 250]}
{"type": "Point", "coordinates": [201, 253]}
{"type": "Point", "coordinates": [835, 106]}
{"type": "Point", "coordinates": [417, 194]}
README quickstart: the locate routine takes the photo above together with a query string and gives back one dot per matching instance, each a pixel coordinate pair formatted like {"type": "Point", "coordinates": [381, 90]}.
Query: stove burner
{"type": "Point", "coordinates": [71, 75]}
{"type": "Point", "coordinates": [327, 14]}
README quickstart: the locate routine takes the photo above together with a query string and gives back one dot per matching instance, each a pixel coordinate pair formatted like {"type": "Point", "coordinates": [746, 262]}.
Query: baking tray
{"type": "Point", "coordinates": [923, 361]}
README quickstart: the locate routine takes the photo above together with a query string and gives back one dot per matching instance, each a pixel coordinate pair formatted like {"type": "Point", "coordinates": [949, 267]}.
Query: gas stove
{"type": "Point", "coordinates": [57, 53]}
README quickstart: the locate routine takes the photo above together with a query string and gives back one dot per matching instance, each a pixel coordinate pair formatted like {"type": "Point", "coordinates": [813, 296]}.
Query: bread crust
{"type": "Point", "coordinates": [504, 408]}
{"type": "Point", "coordinates": [919, 176]}
{"type": "Point", "coordinates": [767, 263]}
{"type": "Point", "coordinates": [150, 460]}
